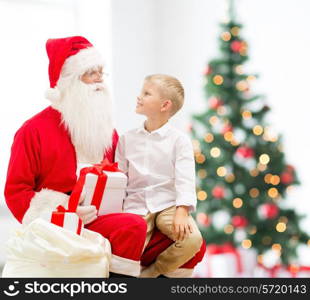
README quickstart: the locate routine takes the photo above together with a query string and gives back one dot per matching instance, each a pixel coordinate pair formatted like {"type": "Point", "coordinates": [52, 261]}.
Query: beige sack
{"type": "Point", "coordinates": [42, 249]}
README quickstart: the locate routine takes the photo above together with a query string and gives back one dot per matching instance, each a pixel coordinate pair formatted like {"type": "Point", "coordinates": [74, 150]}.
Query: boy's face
{"type": "Point", "coordinates": [150, 102]}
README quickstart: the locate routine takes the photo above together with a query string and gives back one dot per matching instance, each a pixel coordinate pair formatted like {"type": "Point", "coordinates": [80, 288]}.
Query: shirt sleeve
{"type": "Point", "coordinates": [23, 170]}
{"type": "Point", "coordinates": [185, 174]}
{"type": "Point", "coordinates": [120, 156]}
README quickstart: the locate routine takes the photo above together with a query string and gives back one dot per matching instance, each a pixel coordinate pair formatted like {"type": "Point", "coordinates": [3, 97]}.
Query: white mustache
{"type": "Point", "coordinates": [97, 86]}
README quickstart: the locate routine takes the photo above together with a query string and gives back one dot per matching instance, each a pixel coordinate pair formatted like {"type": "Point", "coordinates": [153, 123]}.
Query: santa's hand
{"type": "Point", "coordinates": [87, 213]}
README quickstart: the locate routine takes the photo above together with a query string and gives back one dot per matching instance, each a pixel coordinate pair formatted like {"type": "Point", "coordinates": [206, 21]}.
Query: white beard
{"type": "Point", "coordinates": [87, 115]}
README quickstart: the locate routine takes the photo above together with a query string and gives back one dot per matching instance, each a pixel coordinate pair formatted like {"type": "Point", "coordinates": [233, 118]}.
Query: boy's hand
{"type": "Point", "coordinates": [181, 225]}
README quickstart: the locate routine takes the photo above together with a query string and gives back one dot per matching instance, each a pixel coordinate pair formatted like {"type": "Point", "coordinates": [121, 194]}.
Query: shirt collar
{"type": "Point", "coordinates": [162, 131]}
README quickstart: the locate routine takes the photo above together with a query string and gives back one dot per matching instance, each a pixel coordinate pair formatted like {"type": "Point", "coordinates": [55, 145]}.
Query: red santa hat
{"type": "Point", "coordinates": [69, 56]}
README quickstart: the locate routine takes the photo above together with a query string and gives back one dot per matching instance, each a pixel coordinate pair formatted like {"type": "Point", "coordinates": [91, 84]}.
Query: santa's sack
{"type": "Point", "coordinates": [42, 249]}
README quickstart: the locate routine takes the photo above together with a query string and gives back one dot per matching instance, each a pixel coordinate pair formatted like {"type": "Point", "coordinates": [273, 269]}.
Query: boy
{"type": "Point", "coordinates": [158, 160]}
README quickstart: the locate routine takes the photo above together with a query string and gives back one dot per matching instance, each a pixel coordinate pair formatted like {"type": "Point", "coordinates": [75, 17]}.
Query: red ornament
{"type": "Point", "coordinates": [203, 219]}
{"type": "Point", "coordinates": [215, 103]}
{"type": "Point", "coordinates": [189, 127]}
{"type": "Point", "coordinates": [239, 221]}
{"type": "Point", "coordinates": [208, 70]}
{"type": "Point", "coordinates": [269, 210]}
{"type": "Point", "coordinates": [286, 178]}
{"type": "Point", "coordinates": [218, 192]}
{"type": "Point", "coordinates": [236, 46]}
{"type": "Point", "coordinates": [290, 168]}
{"type": "Point", "coordinates": [245, 152]}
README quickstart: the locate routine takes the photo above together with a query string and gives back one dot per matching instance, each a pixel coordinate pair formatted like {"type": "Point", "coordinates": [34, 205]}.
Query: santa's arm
{"type": "Point", "coordinates": [21, 195]}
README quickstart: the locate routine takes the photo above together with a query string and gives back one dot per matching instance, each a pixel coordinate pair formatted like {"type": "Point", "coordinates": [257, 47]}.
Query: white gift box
{"type": "Point", "coordinates": [66, 220]}
{"type": "Point", "coordinates": [249, 261]}
{"type": "Point", "coordinates": [222, 265]}
{"type": "Point", "coordinates": [227, 265]}
{"type": "Point", "coordinates": [277, 271]}
{"type": "Point", "coordinates": [113, 194]}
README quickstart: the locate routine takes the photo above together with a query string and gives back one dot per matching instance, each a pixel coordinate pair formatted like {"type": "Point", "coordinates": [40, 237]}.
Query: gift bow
{"type": "Point", "coordinates": [214, 249]}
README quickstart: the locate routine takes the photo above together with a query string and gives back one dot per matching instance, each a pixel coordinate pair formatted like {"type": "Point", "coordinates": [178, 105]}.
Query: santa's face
{"type": "Point", "coordinates": [86, 110]}
{"type": "Point", "coordinates": [94, 75]}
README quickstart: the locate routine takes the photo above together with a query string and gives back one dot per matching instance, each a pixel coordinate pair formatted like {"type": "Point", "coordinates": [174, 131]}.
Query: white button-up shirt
{"type": "Point", "coordinates": [160, 167]}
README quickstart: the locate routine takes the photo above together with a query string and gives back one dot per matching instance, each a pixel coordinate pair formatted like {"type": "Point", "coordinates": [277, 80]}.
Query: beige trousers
{"type": "Point", "coordinates": [179, 252]}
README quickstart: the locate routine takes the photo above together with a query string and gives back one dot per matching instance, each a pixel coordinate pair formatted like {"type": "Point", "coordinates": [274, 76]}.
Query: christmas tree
{"type": "Point", "coordinates": [242, 175]}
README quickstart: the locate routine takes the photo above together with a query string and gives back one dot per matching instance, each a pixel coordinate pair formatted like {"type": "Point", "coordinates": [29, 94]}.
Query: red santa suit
{"type": "Point", "coordinates": [41, 175]}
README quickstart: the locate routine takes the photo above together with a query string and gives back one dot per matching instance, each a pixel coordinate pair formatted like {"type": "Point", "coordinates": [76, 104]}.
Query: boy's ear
{"type": "Point", "coordinates": [166, 105]}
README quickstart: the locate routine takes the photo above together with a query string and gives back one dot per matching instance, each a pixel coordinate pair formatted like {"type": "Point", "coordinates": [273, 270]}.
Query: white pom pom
{"type": "Point", "coordinates": [53, 94]}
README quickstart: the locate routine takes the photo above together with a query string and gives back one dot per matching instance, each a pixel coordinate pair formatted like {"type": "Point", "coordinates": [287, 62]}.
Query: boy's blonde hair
{"type": "Point", "coordinates": [171, 88]}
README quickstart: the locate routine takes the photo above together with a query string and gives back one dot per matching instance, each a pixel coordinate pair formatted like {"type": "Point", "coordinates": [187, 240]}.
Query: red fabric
{"type": "Point", "coordinates": [159, 242]}
{"type": "Point", "coordinates": [58, 50]}
{"type": "Point", "coordinates": [42, 156]}
{"type": "Point", "coordinates": [58, 218]}
{"type": "Point", "coordinates": [126, 233]}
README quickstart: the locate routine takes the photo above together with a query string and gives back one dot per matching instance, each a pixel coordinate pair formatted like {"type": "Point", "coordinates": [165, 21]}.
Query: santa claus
{"type": "Point", "coordinates": [76, 128]}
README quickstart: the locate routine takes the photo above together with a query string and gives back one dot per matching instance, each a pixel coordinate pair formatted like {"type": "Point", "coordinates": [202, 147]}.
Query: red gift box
{"type": "Point", "coordinates": [67, 218]}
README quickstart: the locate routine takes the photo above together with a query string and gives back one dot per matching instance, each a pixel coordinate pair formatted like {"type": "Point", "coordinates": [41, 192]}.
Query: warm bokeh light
{"type": "Point", "coordinates": [276, 247]}
{"type": "Point", "coordinates": [275, 180]}
{"type": "Point", "coordinates": [228, 229]}
{"type": "Point", "coordinates": [246, 244]}
{"type": "Point", "coordinates": [218, 79]}
{"type": "Point", "coordinates": [237, 202]}
{"type": "Point", "coordinates": [261, 167]}
{"type": "Point", "coordinates": [221, 171]}
{"type": "Point", "coordinates": [235, 30]}
{"type": "Point", "coordinates": [254, 192]}
{"type": "Point", "coordinates": [258, 130]}
{"type": "Point", "coordinates": [213, 120]}
{"type": "Point", "coordinates": [202, 195]}
{"type": "Point", "coordinates": [209, 138]}
{"type": "Point", "coordinates": [252, 230]}
{"type": "Point", "coordinates": [200, 158]}
{"type": "Point", "coordinates": [226, 36]}
{"type": "Point", "coordinates": [228, 136]}
{"type": "Point", "coordinates": [215, 152]}
{"type": "Point", "coordinates": [202, 173]}
{"type": "Point", "coordinates": [273, 192]}
{"type": "Point", "coordinates": [254, 172]}
{"type": "Point", "coordinates": [242, 85]}
{"type": "Point", "coordinates": [267, 178]}
{"type": "Point", "coordinates": [281, 227]}
{"type": "Point", "coordinates": [246, 114]}
{"type": "Point", "coordinates": [230, 178]}
{"type": "Point", "coordinates": [264, 159]}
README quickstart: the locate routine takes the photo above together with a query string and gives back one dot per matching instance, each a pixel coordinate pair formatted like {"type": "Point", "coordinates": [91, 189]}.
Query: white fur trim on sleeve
{"type": "Point", "coordinates": [44, 201]}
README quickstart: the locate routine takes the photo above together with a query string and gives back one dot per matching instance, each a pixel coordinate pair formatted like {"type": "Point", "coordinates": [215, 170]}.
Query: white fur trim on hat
{"type": "Point", "coordinates": [53, 94]}
{"type": "Point", "coordinates": [79, 63]}
{"type": "Point", "coordinates": [43, 202]}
